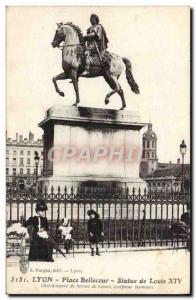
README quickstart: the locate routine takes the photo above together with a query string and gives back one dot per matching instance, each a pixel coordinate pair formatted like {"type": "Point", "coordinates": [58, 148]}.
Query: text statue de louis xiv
{"type": "Point", "coordinates": [86, 56]}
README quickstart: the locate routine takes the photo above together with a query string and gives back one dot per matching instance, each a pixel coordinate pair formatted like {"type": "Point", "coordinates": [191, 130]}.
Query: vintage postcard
{"type": "Point", "coordinates": [98, 150]}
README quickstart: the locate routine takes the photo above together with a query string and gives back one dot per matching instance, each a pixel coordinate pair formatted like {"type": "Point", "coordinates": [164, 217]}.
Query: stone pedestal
{"type": "Point", "coordinates": [91, 147]}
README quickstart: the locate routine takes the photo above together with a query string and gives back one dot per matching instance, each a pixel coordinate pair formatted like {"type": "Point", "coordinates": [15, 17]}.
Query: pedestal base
{"type": "Point", "coordinates": [91, 182]}
{"type": "Point", "coordinates": [91, 147]}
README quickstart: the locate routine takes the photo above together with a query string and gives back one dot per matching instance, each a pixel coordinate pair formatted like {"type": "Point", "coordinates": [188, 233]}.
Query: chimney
{"type": "Point", "coordinates": [31, 136]}
{"type": "Point", "coordinates": [17, 136]}
{"type": "Point", "coordinates": [20, 138]}
{"type": "Point", "coordinates": [170, 163]}
{"type": "Point", "coordinates": [178, 161]}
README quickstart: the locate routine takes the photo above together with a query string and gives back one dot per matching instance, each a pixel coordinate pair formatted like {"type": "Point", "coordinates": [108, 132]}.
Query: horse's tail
{"type": "Point", "coordinates": [129, 76]}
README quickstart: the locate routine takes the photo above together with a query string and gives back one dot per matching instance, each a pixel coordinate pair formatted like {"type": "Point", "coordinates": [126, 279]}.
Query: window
{"type": "Point", "coordinates": [28, 171]}
{"type": "Point", "coordinates": [21, 161]}
{"type": "Point", "coordinates": [7, 160]}
{"type": "Point", "coordinates": [7, 152]}
{"type": "Point", "coordinates": [28, 181]}
{"type": "Point", "coordinates": [143, 144]}
{"type": "Point", "coordinates": [21, 171]}
{"type": "Point", "coordinates": [7, 171]}
{"type": "Point", "coordinates": [21, 152]}
{"type": "Point", "coordinates": [147, 154]}
{"type": "Point", "coordinates": [41, 171]}
{"type": "Point", "coordinates": [153, 144]}
{"type": "Point", "coordinates": [14, 152]}
{"type": "Point", "coordinates": [14, 171]}
{"type": "Point", "coordinates": [28, 153]}
{"type": "Point", "coordinates": [28, 161]}
{"type": "Point", "coordinates": [148, 144]}
{"type": "Point", "coordinates": [152, 154]}
{"type": "Point", "coordinates": [14, 160]}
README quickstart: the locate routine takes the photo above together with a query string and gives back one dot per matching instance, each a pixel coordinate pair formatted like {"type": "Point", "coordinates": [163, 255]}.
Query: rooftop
{"type": "Point", "coordinates": [175, 170]}
{"type": "Point", "coordinates": [22, 141]}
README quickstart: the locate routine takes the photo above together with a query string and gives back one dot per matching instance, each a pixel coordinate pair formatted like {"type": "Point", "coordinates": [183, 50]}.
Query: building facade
{"type": "Point", "coordinates": [169, 179]}
{"type": "Point", "coordinates": [161, 176]}
{"type": "Point", "coordinates": [20, 163]}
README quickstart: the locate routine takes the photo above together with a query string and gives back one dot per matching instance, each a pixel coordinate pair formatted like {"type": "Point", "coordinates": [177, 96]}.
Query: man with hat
{"type": "Point", "coordinates": [40, 247]}
{"type": "Point", "coordinates": [97, 42]}
{"type": "Point", "coordinates": [95, 231]}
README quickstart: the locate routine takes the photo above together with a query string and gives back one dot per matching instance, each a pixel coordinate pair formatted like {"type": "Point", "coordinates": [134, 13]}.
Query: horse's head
{"type": "Point", "coordinates": [69, 33]}
{"type": "Point", "coordinates": [59, 36]}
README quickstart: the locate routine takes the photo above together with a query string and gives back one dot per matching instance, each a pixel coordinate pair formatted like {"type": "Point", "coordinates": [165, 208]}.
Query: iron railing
{"type": "Point", "coordinates": [130, 218]}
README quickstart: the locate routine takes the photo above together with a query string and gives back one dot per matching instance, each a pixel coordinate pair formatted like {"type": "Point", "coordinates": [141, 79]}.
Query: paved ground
{"type": "Point", "coordinates": [130, 272]}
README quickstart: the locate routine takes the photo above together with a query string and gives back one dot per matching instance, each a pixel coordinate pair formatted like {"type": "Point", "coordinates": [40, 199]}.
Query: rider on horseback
{"type": "Point", "coordinates": [105, 64]}
{"type": "Point", "coordinates": [96, 42]}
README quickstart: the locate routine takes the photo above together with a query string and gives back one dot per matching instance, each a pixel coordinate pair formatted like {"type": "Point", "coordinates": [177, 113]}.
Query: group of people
{"type": "Point", "coordinates": [42, 243]}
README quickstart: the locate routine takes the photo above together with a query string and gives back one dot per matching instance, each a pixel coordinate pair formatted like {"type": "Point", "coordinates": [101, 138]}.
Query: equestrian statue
{"type": "Point", "coordinates": [86, 56]}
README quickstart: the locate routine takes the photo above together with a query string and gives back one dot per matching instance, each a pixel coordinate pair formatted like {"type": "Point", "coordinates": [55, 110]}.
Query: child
{"type": "Point", "coordinates": [95, 231]}
{"type": "Point", "coordinates": [66, 232]}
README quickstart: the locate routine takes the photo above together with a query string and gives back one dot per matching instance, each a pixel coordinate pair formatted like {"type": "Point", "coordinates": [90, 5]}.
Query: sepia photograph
{"type": "Point", "coordinates": [98, 150]}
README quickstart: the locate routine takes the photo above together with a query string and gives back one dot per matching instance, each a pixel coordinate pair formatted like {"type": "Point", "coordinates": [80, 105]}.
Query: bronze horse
{"type": "Point", "coordinates": [73, 64]}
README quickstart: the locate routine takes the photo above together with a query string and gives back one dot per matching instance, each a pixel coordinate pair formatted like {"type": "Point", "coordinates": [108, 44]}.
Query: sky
{"type": "Point", "coordinates": [155, 39]}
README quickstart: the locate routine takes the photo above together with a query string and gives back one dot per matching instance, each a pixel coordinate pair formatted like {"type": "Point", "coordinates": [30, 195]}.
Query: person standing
{"type": "Point", "coordinates": [185, 217]}
{"type": "Point", "coordinates": [95, 231]}
{"type": "Point", "coordinates": [41, 247]}
{"type": "Point", "coordinates": [186, 220]}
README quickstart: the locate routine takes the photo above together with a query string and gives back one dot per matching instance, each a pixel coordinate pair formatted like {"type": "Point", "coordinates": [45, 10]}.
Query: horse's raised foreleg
{"type": "Point", "coordinates": [110, 80]}
{"type": "Point", "coordinates": [74, 78]}
{"type": "Point", "coordinates": [114, 84]}
{"type": "Point", "coordinates": [61, 76]}
{"type": "Point", "coordinates": [109, 95]}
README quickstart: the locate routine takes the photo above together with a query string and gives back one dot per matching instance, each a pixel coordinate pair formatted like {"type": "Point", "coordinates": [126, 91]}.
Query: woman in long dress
{"type": "Point", "coordinates": [41, 247]}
